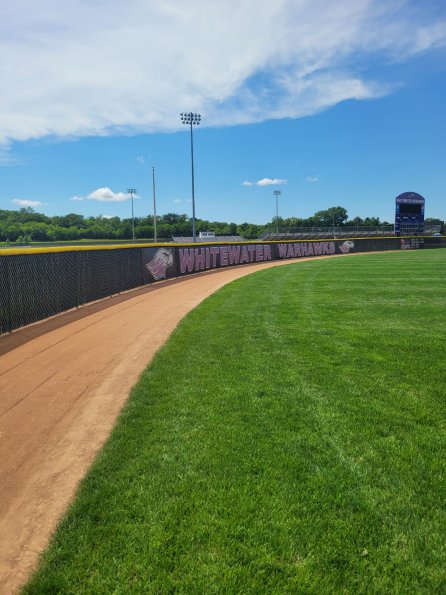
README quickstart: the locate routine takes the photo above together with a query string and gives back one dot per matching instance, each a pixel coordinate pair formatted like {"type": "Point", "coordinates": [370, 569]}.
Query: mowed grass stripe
{"type": "Point", "coordinates": [288, 438]}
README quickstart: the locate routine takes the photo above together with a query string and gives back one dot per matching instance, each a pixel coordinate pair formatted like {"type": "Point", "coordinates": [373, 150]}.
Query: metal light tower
{"type": "Point", "coordinates": [193, 120]}
{"type": "Point", "coordinates": [154, 204]}
{"type": "Point", "coordinates": [132, 191]}
{"type": "Point", "coordinates": [277, 193]}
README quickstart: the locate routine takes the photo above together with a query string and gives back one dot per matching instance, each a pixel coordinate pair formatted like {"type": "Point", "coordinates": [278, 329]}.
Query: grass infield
{"type": "Point", "coordinates": [289, 438]}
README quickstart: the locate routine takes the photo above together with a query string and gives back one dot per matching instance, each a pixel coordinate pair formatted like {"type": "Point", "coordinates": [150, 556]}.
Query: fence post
{"type": "Point", "coordinates": [6, 324]}
{"type": "Point", "coordinates": [76, 261]}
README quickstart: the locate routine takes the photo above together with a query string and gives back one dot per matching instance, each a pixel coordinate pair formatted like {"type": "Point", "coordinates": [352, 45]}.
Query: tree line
{"type": "Point", "coordinates": [26, 225]}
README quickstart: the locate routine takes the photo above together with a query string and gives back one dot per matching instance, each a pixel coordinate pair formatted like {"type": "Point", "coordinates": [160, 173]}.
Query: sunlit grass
{"type": "Point", "coordinates": [289, 438]}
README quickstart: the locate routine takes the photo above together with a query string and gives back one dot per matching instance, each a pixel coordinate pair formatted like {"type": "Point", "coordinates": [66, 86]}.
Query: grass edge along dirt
{"type": "Point", "coordinates": [288, 438]}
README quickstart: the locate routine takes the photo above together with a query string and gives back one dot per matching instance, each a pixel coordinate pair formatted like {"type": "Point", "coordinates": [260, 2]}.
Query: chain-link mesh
{"type": "Point", "coordinates": [106, 272]}
{"type": "Point", "coordinates": [36, 286]}
{"type": "Point", "coordinates": [5, 309]}
{"type": "Point", "coordinates": [39, 285]}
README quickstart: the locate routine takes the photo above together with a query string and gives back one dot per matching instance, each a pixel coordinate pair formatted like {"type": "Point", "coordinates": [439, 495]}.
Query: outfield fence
{"type": "Point", "coordinates": [39, 283]}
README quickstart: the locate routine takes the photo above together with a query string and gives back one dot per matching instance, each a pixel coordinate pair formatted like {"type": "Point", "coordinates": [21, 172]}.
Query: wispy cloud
{"type": "Point", "coordinates": [7, 158]}
{"type": "Point", "coordinates": [27, 203]}
{"type": "Point", "coordinates": [266, 182]}
{"type": "Point", "coordinates": [313, 178]}
{"type": "Point", "coordinates": [251, 75]}
{"type": "Point", "coordinates": [79, 198]}
{"type": "Point", "coordinates": [179, 201]}
{"type": "Point", "coordinates": [270, 182]}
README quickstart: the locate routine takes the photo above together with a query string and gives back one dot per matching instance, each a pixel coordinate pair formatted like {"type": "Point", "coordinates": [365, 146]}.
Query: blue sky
{"type": "Point", "coordinates": [331, 103]}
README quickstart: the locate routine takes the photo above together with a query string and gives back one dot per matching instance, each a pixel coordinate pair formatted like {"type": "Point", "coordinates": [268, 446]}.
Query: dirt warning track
{"type": "Point", "coordinates": [62, 385]}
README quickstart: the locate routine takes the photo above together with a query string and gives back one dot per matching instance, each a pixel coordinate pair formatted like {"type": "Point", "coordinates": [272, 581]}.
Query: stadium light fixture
{"type": "Point", "coordinates": [132, 191]}
{"type": "Point", "coordinates": [192, 119]}
{"type": "Point", "coordinates": [277, 193]}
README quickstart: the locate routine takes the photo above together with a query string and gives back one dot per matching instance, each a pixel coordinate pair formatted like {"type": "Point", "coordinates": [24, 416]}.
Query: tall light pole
{"type": "Point", "coordinates": [277, 193]}
{"type": "Point", "coordinates": [193, 120]}
{"type": "Point", "coordinates": [132, 191]}
{"type": "Point", "coordinates": [154, 204]}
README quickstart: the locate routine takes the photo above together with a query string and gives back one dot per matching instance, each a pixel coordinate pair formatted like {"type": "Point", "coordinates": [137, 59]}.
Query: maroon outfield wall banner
{"type": "Point", "coordinates": [167, 262]}
{"type": "Point", "coordinates": [176, 261]}
{"type": "Point", "coordinates": [202, 258]}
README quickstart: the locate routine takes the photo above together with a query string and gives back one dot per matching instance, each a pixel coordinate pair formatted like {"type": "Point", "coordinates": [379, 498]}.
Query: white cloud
{"type": "Point", "coordinates": [107, 195]}
{"type": "Point", "coordinates": [246, 183]}
{"type": "Point", "coordinates": [86, 67]}
{"type": "Point", "coordinates": [177, 201]}
{"type": "Point", "coordinates": [313, 178]}
{"type": "Point", "coordinates": [104, 195]}
{"type": "Point", "coordinates": [270, 182]}
{"type": "Point", "coordinates": [26, 203]}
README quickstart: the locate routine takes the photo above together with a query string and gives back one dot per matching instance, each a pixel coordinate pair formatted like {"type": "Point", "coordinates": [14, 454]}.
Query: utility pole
{"type": "Point", "coordinates": [132, 191]}
{"type": "Point", "coordinates": [154, 203]}
{"type": "Point", "coordinates": [277, 193]}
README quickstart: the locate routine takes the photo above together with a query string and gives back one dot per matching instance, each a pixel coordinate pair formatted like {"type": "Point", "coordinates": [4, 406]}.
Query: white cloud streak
{"type": "Point", "coordinates": [265, 182]}
{"type": "Point", "coordinates": [270, 182]}
{"type": "Point", "coordinates": [313, 178]}
{"type": "Point", "coordinates": [26, 203]}
{"type": "Point", "coordinates": [88, 67]}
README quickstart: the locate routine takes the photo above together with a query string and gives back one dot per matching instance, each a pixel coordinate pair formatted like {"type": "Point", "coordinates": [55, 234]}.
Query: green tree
{"type": "Point", "coordinates": [356, 221]}
{"type": "Point", "coordinates": [173, 218]}
{"type": "Point", "coordinates": [70, 220]}
{"type": "Point", "coordinates": [334, 216]}
{"type": "Point", "coordinates": [372, 221]}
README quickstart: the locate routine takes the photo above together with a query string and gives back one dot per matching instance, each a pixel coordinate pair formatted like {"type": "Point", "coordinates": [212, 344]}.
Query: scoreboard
{"type": "Point", "coordinates": [409, 214]}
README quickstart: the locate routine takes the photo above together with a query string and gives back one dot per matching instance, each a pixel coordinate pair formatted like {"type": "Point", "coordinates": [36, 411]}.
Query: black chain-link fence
{"type": "Point", "coordinates": [34, 286]}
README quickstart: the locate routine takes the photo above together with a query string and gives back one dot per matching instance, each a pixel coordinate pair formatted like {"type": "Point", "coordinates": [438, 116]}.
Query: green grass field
{"type": "Point", "coordinates": [289, 438]}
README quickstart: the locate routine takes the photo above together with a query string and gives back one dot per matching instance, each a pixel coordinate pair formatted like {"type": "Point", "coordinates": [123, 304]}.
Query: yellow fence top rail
{"type": "Point", "coordinates": [84, 247]}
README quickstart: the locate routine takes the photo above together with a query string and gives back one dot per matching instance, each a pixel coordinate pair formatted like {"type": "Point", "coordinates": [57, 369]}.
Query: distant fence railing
{"type": "Point", "coordinates": [383, 230]}
{"type": "Point", "coordinates": [38, 283]}
{"type": "Point", "coordinates": [343, 231]}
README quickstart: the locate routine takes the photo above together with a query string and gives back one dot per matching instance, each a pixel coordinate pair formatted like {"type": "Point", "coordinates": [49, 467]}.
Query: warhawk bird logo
{"type": "Point", "coordinates": [160, 262]}
{"type": "Point", "coordinates": [346, 246]}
